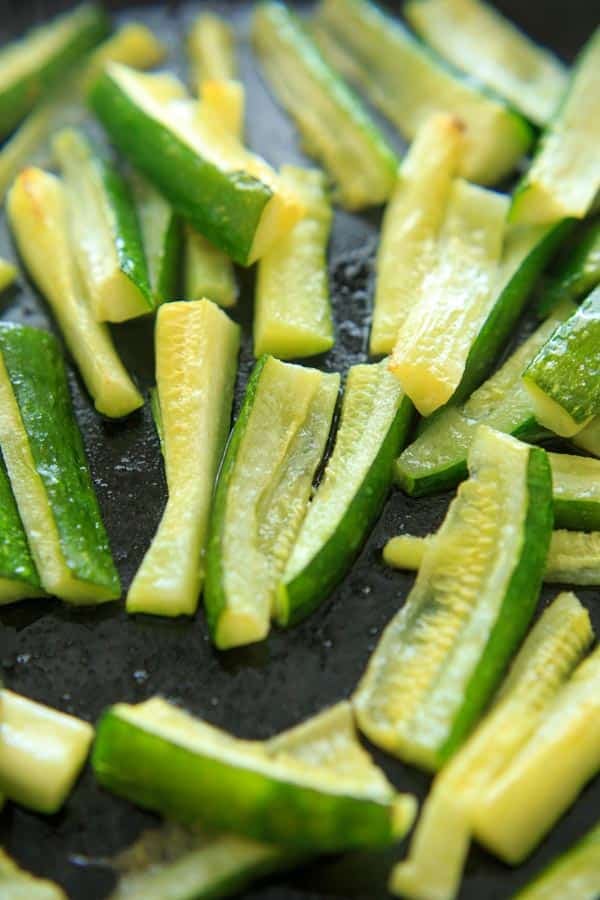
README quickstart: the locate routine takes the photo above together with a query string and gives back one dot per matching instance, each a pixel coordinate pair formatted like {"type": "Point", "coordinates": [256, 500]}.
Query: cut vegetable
{"type": "Point", "coordinates": [578, 272]}
{"type": "Point", "coordinates": [564, 177]}
{"type": "Point", "coordinates": [336, 128]}
{"type": "Point", "coordinates": [574, 874]}
{"type": "Point", "coordinates": [134, 44]}
{"type": "Point", "coordinates": [210, 47]}
{"type": "Point", "coordinates": [161, 235]}
{"type": "Point", "coordinates": [588, 438]}
{"type": "Point", "coordinates": [408, 83]}
{"type": "Point", "coordinates": [230, 195]}
{"type": "Point", "coordinates": [16, 884]}
{"type": "Point", "coordinates": [442, 655]}
{"type": "Point", "coordinates": [226, 101]}
{"type": "Point", "coordinates": [8, 274]}
{"type": "Point", "coordinates": [563, 380]}
{"type": "Point", "coordinates": [18, 575]}
{"type": "Point", "coordinates": [576, 490]}
{"type": "Point", "coordinates": [208, 271]}
{"type": "Point", "coordinates": [196, 353]}
{"type": "Point", "coordinates": [42, 752]}
{"type": "Point", "coordinates": [262, 495]}
{"type": "Point", "coordinates": [292, 316]}
{"type": "Point", "coordinates": [374, 422]}
{"type": "Point", "coordinates": [454, 300]}
{"type": "Point", "coordinates": [166, 760]}
{"type": "Point", "coordinates": [48, 470]}
{"type": "Point", "coordinates": [478, 40]}
{"type": "Point", "coordinates": [411, 223]}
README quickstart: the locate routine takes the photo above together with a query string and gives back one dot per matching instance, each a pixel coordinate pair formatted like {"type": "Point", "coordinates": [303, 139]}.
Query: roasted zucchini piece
{"type": "Point", "coordinates": [16, 884]}
{"type": "Point", "coordinates": [575, 873]}
{"type": "Point", "coordinates": [161, 237]}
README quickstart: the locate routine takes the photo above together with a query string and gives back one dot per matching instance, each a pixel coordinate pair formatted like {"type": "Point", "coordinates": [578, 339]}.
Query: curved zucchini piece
{"type": "Point", "coordinates": [262, 495]}
{"type": "Point", "coordinates": [564, 176]}
{"type": "Point", "coordinates": [411, 223]}
{"type": "Point", "coordinates": [42, 752]}
{"type": "Point", "coordinates": [196, 353]}
{"type": "Point", "coordinates": [37, 212]}
{"type": "Point", "coordinates": [8, 274]}
{"type": "Point", "coordinates": [335, 126]}
{"type": "Point", "coordinates": [166, 760]}
{"type": "Point", "coordinates": [578, 271]}
{"type": "Point", "coordinates": [374, 422]}
{"type": "Point", "coordinates": [574, 558]}
{"type": "Point", "coordinates": [292, 313]}
{"type": "Point", "coordinates": [588, 438]}
{"type": "Point", "coordinates": [31, 66]}
{"type": "Point", "coordinates": [443, 654]}
{"type": "Point", "coordinates": [18, 575]}
{"type": "Point", "coordinates": [17, 884]}
{"type": "Point", "coordinates": [547, 659]}
{"type": "Point", "coordinates": [134, 44]}
{"type": "Point", "coordinates": [434, 342]}
{"type": "Point", "coordinates": [211, 49]}
{"type": "Point", "coordinates": [563, 380]}
{"type": "Point", "coordinates": [576, 490]}
{"type": "Point", "coordinates": [575, 873]}
{"type": "Point", "coordinates": [208, 272]}
{"type": "Point", "coordinates": [408, 83]}
{"type": "Point", "coordinates": [230, 195]}
{"type": "Point", "coordinates": [478, 40]}
{"type": "Point", "coordinates": [48, 470]}
{"type": "Point", "coordinates": [161, 237]}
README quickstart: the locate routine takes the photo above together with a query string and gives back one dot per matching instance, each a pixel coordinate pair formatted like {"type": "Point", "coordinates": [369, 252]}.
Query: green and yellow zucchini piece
{"type": "Point", "coordinates": [208, 271]}
{"type": "Point", "coordinates": [18, 575]}
{"type": "Point", "coordinates": [335, 126]}
{"type": "Point", "coordinates": [578, 270]}
{"type": "Point", "coordinates": [196, 363]}
{"type": "Point", "coordinates": [50, 479]}
{"type": "Point", "coordinates": [161, 238]}
{"type": "Point", "coordinates": [443, 654]}
{"type": "Point", "coordinates": [576, 491]}
{"type": "Point", "coordinates": [588, 438]}
{"type": "Point", "coordinates": [8, 274]}
{"type": "Point", "coordinates": [17, 884]}
{"type": "Point", "coordinates": [576, 873]}
{"type": "Point", "coordinates": [134, 44]}
{"type": "Point", "coordinates": [262, 495]}
{"type": "Point", "coordinates": [292, 313]}
{"type": "Point", "coordinates": [210, 49]}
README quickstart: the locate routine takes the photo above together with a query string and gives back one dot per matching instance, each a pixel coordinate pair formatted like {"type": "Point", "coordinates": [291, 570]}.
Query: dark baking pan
{"type": "Point", "coordinates": [81, 661]}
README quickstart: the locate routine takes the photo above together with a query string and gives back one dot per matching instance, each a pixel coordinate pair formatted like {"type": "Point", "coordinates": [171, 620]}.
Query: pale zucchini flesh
{"type": "Point", "coordinates": [575, 873]}
{"type": "Point", "coordinates": [210, 48]}
{"type": "Point", "coordinates": [18, 575]}
{"type": "Point", "coordinates": [17, 884]}
{"type": "Point", "coordinates": [576, 491]}
{"type": "Point", "coordinates": [160, 231]}
{"type": "Point", "coordinates": [588, 438]}
{"type": "Point", "coordinates": [8, 274]}
{"type": "Point", "coordinates": [208, 271]}
{"type": "Point", "coordinates": [134, 44]}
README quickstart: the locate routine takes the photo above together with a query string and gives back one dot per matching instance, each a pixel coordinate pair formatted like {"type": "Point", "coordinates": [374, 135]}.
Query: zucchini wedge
{"type": "Point", "coordinates": [165, 759]}
{"type": "Point", "coordinates": [18, 575]}
{"type": "Point", "coordinates": [408, 83]}
{"type": "Point", "coordinates": [226, 102]}
{"type": "Point", "coordinates": [454, 300]}
{"type": "Point", "coordinates": [208, 271]}
{"type": "Point", "coordinates": [161, 238]}
{"type": "Point", "coordinates": [8, 274]}
{"type": "Point", "coordinates": [292, 312]}
{"type": "Point", "coordinates": [374, 422]}
{"type": "Point", "coordinates": [335, 127]}
{"type": "Point", "coordinates": [262, 495]}
{"type": "Point", "coordinates": [210, 49]}
{"type": "Point", "coordinates": [411, 222]}
{"type": "Point", "coordinates": [17, 884]}
{"type": "Point", "coordinates": [31, 66]}
{"type": "Point", "coordinates": [576, 491]}
{"type": "Point", "coordinates": [45, 460]}
{"type": "Point", "coordinates": [578, 271]}
{"type": "Point", "coordinates": [37, 212]}
{"type": "Point", "coordinates": [228, 193]}
{"type": "Point", "coordinates": [588, 438]}
{"type": "Point", "coordinates": [196, 363]}
{"type": "Point", "coordinates": [544, 664]}
{"type": "Point", "coordinates": [42, 752]}
{"type": "Point", "coordinates": [564, 176]}
{"type": "Point", "coordinates": [134, 44]}
{"type": "Point", "coordinates": [443, 654]}
{"type": "Point", "coordinates": [477, 39]}
{"type": "Point", "coordinates": [575, 873]}
{"type": "Point", "coordinates": [563, 380]}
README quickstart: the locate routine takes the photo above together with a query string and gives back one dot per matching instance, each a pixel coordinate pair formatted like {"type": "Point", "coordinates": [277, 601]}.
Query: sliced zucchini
{"type": "Point", "coordinates": [134, 44]}
{"type": "Point", "coordinates": [166, 760]}
{"type": "Point", "coordinates": [48, 470]}
{"type": "Point", "coordinates": [588, 438]}
{"type": "Point", "coordinates": [16, 884]}
{"type": "Point", "coordinates": [335, 127]}
{"type": "Point", "coordinates": [575, 873]}
{"type": "Point", "coordinates": [37, 212]}
{"type": "Point", "coordinates": [210, 47]}
{"type": "Point", "coordinates": [411, 223]}
{"type": "Point", "coordinates": [8, 274]}
{"type": "Point", "coordinates": [408, 83]}
{"type": "Point", "coordinates": [229, 194]}
{"type": "Point", "coordinates": [42, 752]}
{"type": "Point", "coordinates": [292, 313]}
{"type": "Point", "coordinates": [564, 176]}
{"type": "Point", "coordinates": [208, 271]}
{"type": "Point", "coordinates": [161, 236]}
{"type": "Point", "coordinates": [31, 66]}
{"type": "Point", "coordinates": [576, 489]}
{"type": "Point", "coordinates": [578, 271]}
{"type": "Point", "coordinates": [478, 40]}
{"type": "Point", "coordinates": [374, 422]}
{"type": "Point", "coordinates": [262, 495]}
{"type": "Point", "coordinates": [563, 380]}
{"type": "Point", "coordinates": [454, 300]}
{"type": "Point", "coordinates": [226, 101]}
{"type": "Point", "coordinates": [444, 652]}
{"type": "Point", "coordinates": [18, 575]}
{"type": "Point", "coordinates": [196, 363]}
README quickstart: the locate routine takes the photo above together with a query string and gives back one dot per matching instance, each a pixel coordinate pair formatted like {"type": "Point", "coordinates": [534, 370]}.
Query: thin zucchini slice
{"type": "Point", "coordinates": [443, 654]}
{"type": "Point", "coordinates": [564, 176]}
{"type": "Point", "coordinates": [37, 212]}
{"type": "Point", "coordinates": [454, 300]}
{"type": "Point", "coordinates": [374, 422]}
{"type": "Point", "coordinates": [229, 194]}
{"type": "Point", "coordinates": [31, 66]}
{"type": "Point", "coordinates": [196, 354]}
{"type": "Point", "coordinates": [411, 223]}
{"type": "Point", "coordinates": [166, 760]}
{"type": "Point", "coordinates": [16, 884]}
{"type": "Point", "coordinates": [543, 665]}
{"type": "Point", "coordinates": [478, 40]}
{"type": "Point", "coordinates": [578, 271]}
{"type": "Point", "coordinates": [335, 126]}
{"type": "Point", "coordinates": [408, 83]}
{"type": "Point", "coordinates": [210, 48]}
{"type": "Point", "coordinates": [575, 873]}
{"type": "Point", "coordinates": [48, 470]}
{"type": "Point", "coordinates": [292, 313]}
{"type": "Point", "coordinates": [208, 271]}
{"type": "Point", "coordinates": [18, 575]}
{"type": "Point", "coordinates": [576, 490]}
{"type": "Point", "coordinates": [262, 495]}
{"type": "Point", "coordinates": [8, 274]}
{"type": "Point", "coordinates": [563, 380]}
{"type": "Point", "coordinates": [42, 752]}
{"type": "Point", "coordinates": [161, 237]}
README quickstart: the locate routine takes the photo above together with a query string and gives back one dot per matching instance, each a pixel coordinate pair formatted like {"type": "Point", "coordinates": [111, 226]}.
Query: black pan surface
{"type": "Point", "coordinates": [82, 661]}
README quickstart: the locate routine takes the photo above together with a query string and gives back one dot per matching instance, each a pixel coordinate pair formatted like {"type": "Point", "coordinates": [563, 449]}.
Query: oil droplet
{"type": "Point", "coordinates": [141, 675]}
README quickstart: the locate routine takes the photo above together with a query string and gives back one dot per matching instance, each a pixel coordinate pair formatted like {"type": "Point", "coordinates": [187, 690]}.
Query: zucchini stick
{"type": "Point", "coordinates": [18, 574]}
{"type": "Point", "coordinates": [575, 873]}
{"type": "Point", "coordinates": [8, 274]}
{"type": "Point", "coordinates": [208, 271]}
{"type": "Point", "coordinates": [17, 884]}
{"type": "Point", "coordinates": [161, 236]}
{"type": "Point", "coordinates": [578, 270]}
{"type": "Point", "coordinates": [210, 48]}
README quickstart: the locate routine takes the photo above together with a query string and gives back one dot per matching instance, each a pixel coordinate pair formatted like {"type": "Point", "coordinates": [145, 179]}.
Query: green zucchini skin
{"type": "Point", "coordinates": [578, 270]}
{"type": "Point", "coordinates": [39, 382]}
{"type": "Point", "coordinates": [16, 562]}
